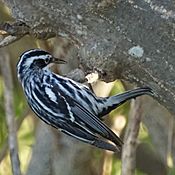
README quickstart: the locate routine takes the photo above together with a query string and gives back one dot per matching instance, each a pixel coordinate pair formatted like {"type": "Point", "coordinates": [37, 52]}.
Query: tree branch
{"type": "Point", "coordinates": [130, 139]}
{"type": "Point", "coordinates": [10, 116]}
{"type": "Point", "coordinates": [131, 41]}
{"type": "Point", "coordinates": [5, 145]}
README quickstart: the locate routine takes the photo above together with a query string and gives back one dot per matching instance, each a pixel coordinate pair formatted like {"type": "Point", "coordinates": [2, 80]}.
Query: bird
{"type": "Point", "coordinates": [67, 105]}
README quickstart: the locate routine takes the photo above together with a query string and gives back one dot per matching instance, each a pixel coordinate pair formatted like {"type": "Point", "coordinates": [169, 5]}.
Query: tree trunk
{"type": "Point", "coordinates": [131, 40]}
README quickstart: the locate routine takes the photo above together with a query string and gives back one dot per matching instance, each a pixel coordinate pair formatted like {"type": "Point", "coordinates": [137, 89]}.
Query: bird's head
{"type": "Point", "coordinates": [36, 59]}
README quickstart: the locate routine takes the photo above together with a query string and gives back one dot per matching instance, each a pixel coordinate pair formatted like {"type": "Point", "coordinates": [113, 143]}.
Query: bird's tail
{"type": "Point", "coordinates": [116, 100]}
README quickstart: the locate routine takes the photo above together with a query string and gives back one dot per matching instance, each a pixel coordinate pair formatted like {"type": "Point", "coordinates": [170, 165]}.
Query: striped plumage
{"type": "Point", "coordinates": [67, 105]}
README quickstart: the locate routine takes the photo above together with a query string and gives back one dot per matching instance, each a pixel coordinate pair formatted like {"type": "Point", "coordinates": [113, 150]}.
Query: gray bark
{"type": "Point", "coordinates": [131, 40]}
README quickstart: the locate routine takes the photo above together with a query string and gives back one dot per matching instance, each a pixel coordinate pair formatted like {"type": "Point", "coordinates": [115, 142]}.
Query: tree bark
{"type": "Point", "coordinates": [130, 40]}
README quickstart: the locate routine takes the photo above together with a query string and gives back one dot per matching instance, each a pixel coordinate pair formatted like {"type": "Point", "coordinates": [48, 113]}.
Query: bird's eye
{"type": "Point", "coordinates": [47, 60]}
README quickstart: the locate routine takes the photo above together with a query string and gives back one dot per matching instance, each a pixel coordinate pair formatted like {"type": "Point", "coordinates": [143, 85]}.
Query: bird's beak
{"type": "Point", "coordinates": [58, 61]}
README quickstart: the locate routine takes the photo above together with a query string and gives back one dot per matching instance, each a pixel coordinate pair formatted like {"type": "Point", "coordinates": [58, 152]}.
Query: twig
{"type": "Point", "coordinates": [130, 139]}
{"type": "Point", "coordinates": [8, 40]}
{"type": "Point", "coordinates": [12, 31]}
{"type": "Point", "coordinates": [5, 145]}
{"type": "Point", "coordinates": [10, 116]}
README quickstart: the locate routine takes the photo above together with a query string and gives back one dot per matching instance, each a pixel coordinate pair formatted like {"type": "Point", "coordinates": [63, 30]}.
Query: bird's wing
{"type": "Point", "coordinates": [96, 125]}
{"type": "Point", "coordinates": [76, 131]}
{"type": "Point", "coordinates": [83, 117]}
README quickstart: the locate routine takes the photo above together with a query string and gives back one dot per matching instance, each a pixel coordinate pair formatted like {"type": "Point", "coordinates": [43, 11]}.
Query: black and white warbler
{"type": "Point", "coordinates": [67, 105]}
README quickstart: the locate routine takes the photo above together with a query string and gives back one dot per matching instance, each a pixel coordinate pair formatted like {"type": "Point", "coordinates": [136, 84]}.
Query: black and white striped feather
{"type": "Point", "coordinates": [67, 105]}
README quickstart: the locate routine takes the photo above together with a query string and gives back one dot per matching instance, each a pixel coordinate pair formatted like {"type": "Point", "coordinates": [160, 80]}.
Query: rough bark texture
{"type": "Point", "coordinates": [132, 40]}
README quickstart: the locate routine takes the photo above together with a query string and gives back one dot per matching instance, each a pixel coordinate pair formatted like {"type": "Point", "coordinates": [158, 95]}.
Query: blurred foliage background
{"type": "Point", "coordinates": [148, 160]}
